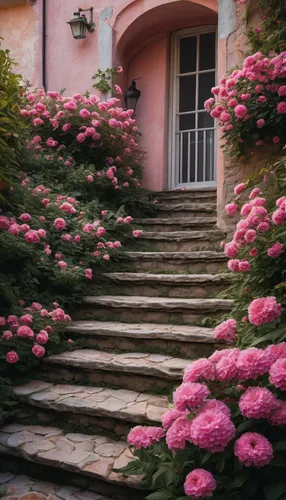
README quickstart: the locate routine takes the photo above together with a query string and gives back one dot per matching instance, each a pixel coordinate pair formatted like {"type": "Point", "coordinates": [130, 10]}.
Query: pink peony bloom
{"type": "Point", "coordinates": [278, 217]}
{"type": "Point", "coordinates": [12, 357]}
{"type": "Point", "coordinates": [119, 220]}
{"type": "Point", "coordinates": [90, 178]}
{"type": "Point", "coordinates": [233, 265]}
{"type": "Point", "coordinates": [38, 351]}
{"type": "Point", "coordinates": [212, 430]}
{"type": "Point", "coordinates": [263, 310]}
{"type": "Point", "coordinates": [116, 244]}
{"type": "Point", "coordinates": [199, 483]}
{"type": "Point", "coordinates": [275, 251]}
{"type": "Point", "coordinates": [225, 369]}
{"type": "Point", "coordinates": [137, 233]}
{"type": "Point", "coordinates": [42, 337]}
{"type": "Point", "coordinates": [190, 395]}
{"type": "Point", "coordinates": [277, 374]}
{"type": "Point", "coordinates": [36, 306]}
{"type": "Point", "coordinates": [144, 436]}
{"type": "Point", "coordinates": [253, 449]}
{"type": "Point", "coordinates": [88, 274]}
{"type": "Point", "coordinates": [253, 252]}
{"type": "Point", "coordinates": [178, 433]}
{"type": "Point", "coordinates": [62, 264]}
{"type": "Point", "coordinates": [199, 370]}
{"type": "Point", "coordinates": [281, 108]}
{"type": "Point", "coordinates": [80, 137]}
{"type": "Point", "coordinates": [260, 123]}
{"type": "Point", "coordinates": [240, 111]}
{"type": "Point", "coordinates": [277, 351]}
{"type": "Point", "coordinates": [27, 319]}
{"type": "Point", "coordinates": [231, 249]}
{"type": "Point", "coordinates": [26, 332]}
{"type": "Point", "coordinates": [215, 405]}
{"type": "Point", "coordinates": [239, 188]}
{"type": "Point", "coordinates": [66, 127]}
{"type": "Point", "coordinates": [257, 402]}
{"type": "Point", "coordinates": [222, 353]}
{"type": "Point", "coordinates": [253, 362]}
{"type": "Point", "coordinates": [170, 416]}
{"type": "Point", "coordinates": [70, 105]}
{"type": "Point", "coordinates": [101, 231]}
{"type": "Point", "coordinates": [4, 222]}
{"type": "Point", "coordinates": [106, 256]}
{"type": "Point", "coordinates": [255, 192]}
{"type": "Point", "coordinates": [282, 91]}
{"type": "Point", "coordinates": [244, 266]}
{"type": "Point", "coordinates": [231, 209]}
{"type": "Point", "coordinates": [278, 416]}
{"type": "Point", "coordinates": [25, 217]}
{"type": "Point", "coordinates": [59, 223]}
{"type": "Point", "coordinates": [84, 113]}
{"type": "Point", "coordinates": [77, 238]}
{"type": "Point", "coordinates": [66, 237]}
{"type": "Point", "coordinates": [32, 237]}
{"type": "Point", "coordinates": [7, 335]}
{"type": "Point", "coordinates": [226, 330]}
{"type": "Point", "coordinates": [250, 236]}
{"type": "Point", "coordinates": [2, 321]}
{"type": "Point", "coordinates": [276, 139]}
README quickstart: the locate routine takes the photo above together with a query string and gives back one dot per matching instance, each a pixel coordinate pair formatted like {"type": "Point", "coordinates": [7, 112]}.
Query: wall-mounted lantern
{"type": "Point", "coordinates": [131, 96]}
{"type": "Point", "coordinates": [79, 24]}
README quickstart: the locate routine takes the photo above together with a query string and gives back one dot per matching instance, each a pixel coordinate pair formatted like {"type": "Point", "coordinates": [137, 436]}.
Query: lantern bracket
{"type": "Point", "coordinates": [90, 25]}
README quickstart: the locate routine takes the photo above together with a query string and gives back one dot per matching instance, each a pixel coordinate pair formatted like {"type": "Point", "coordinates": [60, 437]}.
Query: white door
{"type": "Point", "coordinates": [192, 129]}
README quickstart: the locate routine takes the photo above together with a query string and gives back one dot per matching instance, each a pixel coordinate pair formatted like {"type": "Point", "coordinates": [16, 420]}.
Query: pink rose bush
{"type": "Point", "coordinates": [219, 430]}
{"type": "Point", "coordinates": [250, 104]}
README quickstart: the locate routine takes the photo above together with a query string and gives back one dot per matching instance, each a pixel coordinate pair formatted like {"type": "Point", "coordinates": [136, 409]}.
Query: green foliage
{"type": "Point", "coordinates": [270, 35]}
{"type": "Point", "coordinates": [105, 80]}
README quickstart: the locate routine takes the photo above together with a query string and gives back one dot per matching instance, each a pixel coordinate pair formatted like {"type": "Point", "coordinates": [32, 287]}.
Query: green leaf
{"type": "Point", "coordinates": [279, 446]}
{"type": "Point", "coordinates": [160, 495]}
{"type": "Point", "coordinates": [240, 479]}
{"type": "Point", "coordinates": [274, 491]}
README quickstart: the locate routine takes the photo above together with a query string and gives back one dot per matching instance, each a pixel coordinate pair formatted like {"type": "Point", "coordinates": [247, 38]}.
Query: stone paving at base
{"type": "Point", "coordinates": [98, 401]}
{"type": "Point", "coordinates": [20, 487]}
{"type": "Point", "coordinates": [90, 455]}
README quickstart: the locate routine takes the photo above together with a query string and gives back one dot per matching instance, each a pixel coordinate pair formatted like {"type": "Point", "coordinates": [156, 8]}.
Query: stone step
{"type": "Point", "coordinates": [142, 371]}
{"type": "Point", "coordinates": [178, 223]}
{"type": "Point", "coordinates": [89, 456]}
{"type": "Point", "coordinates": [118, 404]}
{"type": "Point", "coordinates": [151, 309]}
{"type": "Point", "coordinates": [191, 209]}
{"type": "Point", "coordinates": [186, 341]}
{"type": "Point", "coordinates": [199, 194]}
{"type": "Point", "coordinates": [192, 262]}
{"type": "Point", "coordinates": [183, 241]}
{"type": "Point", "coordinates": [166, 285]}
{"type": "Point", "coordinates": [15, 486]}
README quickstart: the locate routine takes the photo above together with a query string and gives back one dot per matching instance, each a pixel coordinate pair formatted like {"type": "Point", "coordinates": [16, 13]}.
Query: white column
{"type": "Point", "coordinates": [105, 40]}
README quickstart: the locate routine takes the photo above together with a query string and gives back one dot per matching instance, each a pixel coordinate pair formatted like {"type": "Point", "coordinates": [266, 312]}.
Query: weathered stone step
{"type": "Point", "coordinates": [91, 456]}
{"type": "Point", "coordinates": [178, 223]}
{"type": "Point", "coordinates": [167, 285]}
{"type": "Point", "coordinates": [15, 486]}
{"type": "Point", "coordinates": [118, 404]}
{"type": "Point", "coordinates": [192, 262]}
{"type": "Point", "coordinates": [192, 209]}
{"type": "Point", "coordinates": [186, 341]}
{"type": "Point", "coordinates": [151, 309]}
{"type": "Point", "coordinates": [202, 194]}
{"type": "Point", "coordinates": [180, 241]}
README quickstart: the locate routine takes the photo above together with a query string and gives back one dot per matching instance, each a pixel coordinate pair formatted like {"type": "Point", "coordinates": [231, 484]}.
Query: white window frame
{"type": "Point", "coordinates": [173, 112]}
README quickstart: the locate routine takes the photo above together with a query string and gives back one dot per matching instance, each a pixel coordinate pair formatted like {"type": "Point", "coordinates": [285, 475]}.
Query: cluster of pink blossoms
{"type": "Point", "coordinates": [25, 327]}
{"type": "Point", "coordinates": [207, 423]}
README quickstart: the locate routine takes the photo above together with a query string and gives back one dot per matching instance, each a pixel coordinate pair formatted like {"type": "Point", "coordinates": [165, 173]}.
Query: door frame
{"type": "Point", "coordinates": [174, 53]}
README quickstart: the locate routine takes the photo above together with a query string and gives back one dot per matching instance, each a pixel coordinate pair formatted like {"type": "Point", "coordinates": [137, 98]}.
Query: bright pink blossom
{"type": "Point", "coordinates": [212, 430]}
{"type": "Point", "coordinates": [240, 187]}
{"type": "Point", "coordinates": [215, 405]}
{"type": "Point", "coordinates": [275, 251]}
{"type": "Point", "coordinates": [277, 374]}
{"type": "Point", "coordinates": [201, 369]}
{"type": "Point", "coordinates": [62, 264]}
{"type": "Point", "coordinates": [231, 249]}
{"type": "Point", "coordinates": [253, 362]}
{"type": "Point", "coordinates": [26, 319]}
{"type": "Point", "coordinates": [32, 236]}
{"type": "Point", "coordinates": [178, 433]}
{"type": "Point", "coordinates": [263, 310]}
{"type": "Point", "coordinates": [38, 351]}
{"type": "Point", "coordinates": [42, 337]}
{"type": "Point", "coordinates": [226, 330]}
{"type": "Point", "coordinates": [7, 335]}
{"type": "Point", "coordinates": [25, 217]}
{"type": "Point", "coordinates": [257, 402]}
{"type": "Point", "coordinates": [278, 416]}
{"type": "Point", "coordinates": [144, 437]}
{"type": "Point", "coordinates": [170, 416]}
{"type": "Point", "coordinates": [281, 108]}
{"type": "Point", "coordinates": [190, 395]}
{"type": "Point", "coordinates": [250, 236]}
{"type": "Point", "coordinates": [231, 209]}
{"type": "Point", "coordinates": [240, 111]}
{"type": "Point", "coordinates": [244, 266]}
{"type": "Point", "coordinates": [199, 483]}
{"type": "Point", "coordinates": [59, 223]}
{"type": "Point", "coordinates": [253, 449]}
{"type": "Point", "coordinates": [26, 332]}
{"type": "Point", "coordinates": [12, 357]}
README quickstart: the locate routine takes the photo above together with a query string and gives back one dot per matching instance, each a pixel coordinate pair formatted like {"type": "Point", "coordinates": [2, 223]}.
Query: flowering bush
{"type": "Point", "coordinates": [257, 259]}
{"type": "Point", "coordinates": [250, 104]}
{"type": "Point", "coordinates": [225, 437]}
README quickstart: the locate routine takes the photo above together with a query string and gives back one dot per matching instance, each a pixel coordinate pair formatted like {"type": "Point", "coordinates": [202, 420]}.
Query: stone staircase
{"type": "Point", "coordinates": [136, 342]}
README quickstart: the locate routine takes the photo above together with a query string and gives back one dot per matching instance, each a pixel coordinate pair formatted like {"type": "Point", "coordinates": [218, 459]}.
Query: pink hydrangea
{"type": "Point", "coordinates": [144, 437]}
{"type": "Point", "coordinates": [253, 362]}
{"type": "Point", "coordinates": [240, 187]}
{"type": "Point", "coordinates": [38, 351]}
{"type": "Point", "coordinates": [190, 395]}
{"type": "Point", "coordinates": [178, 433]}
{"type": "Point", "coordinates": [253, 449]}
{"type": "Point", "coordinates": [231, 209]}
{"type": "Point", "coordinates": [170, 416]}
{"type": "Point", "coordinates": [277, 374]}
{"type": "Point", "coordinates": [257, 402]}
{"type": "Point", "coordinates": [26, 332]}
{"type": "Point", "coordinates": [212, 430]}
{"type": "Point", "coordinates": [198, 370]}
{"type": "Point", "coordinates": [278, 416]}
{"type": "Point", "coordinates": [222, 353]}
{"type": "Point", "coordinates": [199, 483]}
{"type": "Point", "coordinates": [226, 330]}
{"type": "Point", "coordinates": [225, 369]}
{"type": "Point", "coordinates": [215, 405]}
{"type": "Point", "coordinates": [275, 251]}
{"type": "Point", "coordinates": [12, 357]}
{"type": "Point", "coordinates": [263, 310]}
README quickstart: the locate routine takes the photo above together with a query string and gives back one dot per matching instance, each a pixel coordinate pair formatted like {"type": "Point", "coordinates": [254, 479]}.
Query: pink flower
{"type": "Point", "coordinates": [110, 173]}
{"type": "Point", "coordinates": [263, 310]}
{"type": "Point", "coordinates": [58, 255]}
{"type": "Point", "coordinates": [2, 321]}
{"type": "Point", "coordinates": [226, 330]}
{"type": "Point", "coordinates": [66, 237]}
{"type": "Point", "coordinates": [278, 416]}
{"type": "Point", "coordinates": [277, 374]}
{"type": "Point", "coordinates": [199, 483]}
{"type": "Point", "coordinates": [118, 89]}
{"type": "Point", "coordinates": [231, 208]}
{"type": "Point", "coordinates": [128, 219]}
{"type": "Point", "coordinates": [38, 121]}
{"type": "Point", "coordinates": [260, 123]}
{"type": "Point", "coordinates": [278, 217]}
{"type": "Point", "coordinates": [240, 187]}
{"type": "Point", "coordinates": [27, 319]}
{"type": "Point", "coordinates": [88, 228]}
{"type": "Point", "coordinates": [67, 207]}
{"type": "Point", "coordinates": [257, 402]}
{"type": "Point", "coordinates": [178, 433]}
{"type": "Point", "coordinates": [276, 139]}
{"type": "Point", "coordinates": [7, 335]}
{"type": "Point", "coordinates": [36, 306]}
{"type": "Point", "coordinates": [113, 123]}
{"type": "Point", "coordinates": [88, 274]}
{"type": "Point", "coordinates": [244, 266]}
{"type": "Point", "coordinates": [44, 312]}
{"type": "Point", "coordinates": [215, 405]}
{"type": "Point", "coordinates": [42, 337]}
{"type": "Point", "coordinates": [198, 370]}
{"type": "Point", "coordinates": [144, 437]}
{"type": "Point", "coordinates": [275, 251]}
{"type": "Point", "coordinates": [104, 212]}
{"type": "Point", "coordinates": [84, 113]}
{"type": "Point", "coordinates": [222, 353]}
{"type": "Point", "coordinates": [77, 238]}
{"type": "Point", "coordinates": [4, 222]}
{"type": "Point", "coordinates": [26, 332]}
{"type": "Point", "coordinates": [90, 178]}
{"type": "Point", "coordinates": [240, 111]}
{"type": "Point", "coordinates": [137, 233]}
{"type": "Point", "coordinates": [116, 244]}
{"type": "Point", "coordinates": [62, 264]}
{"type": "Point", "coordinates": [80, 137]}
{"type": "Point", "coordinates": [66, 127]}
{"type": "Point", "coordinates": [225, 369]}
{"type": "Point", "coordinates": [255, 192]}
{"type": "Point", "coordinates": [170, 416]}
{"type": "Point", "coordinates": [59, 223]}
{"type": "Point", "coordinates": [32, 237]}
{"type": "Point", "coordinates": [212, 430]}
{"type": "Point", "coordinates": [231, 249]}
{"type": "Point", "coordinates": [106, 256]}
{"type": "Point", "coordinates": [51, 143]}
{"type": "Point", "coordinates": [101, 231]}
{"type": "Point", "coordinates": [190, 395]}
{"type": "Point", "coordinates": [70, 105]}
{"type": "Point", "coordinates": [253, 362]}
{"type": "Point", "coordinates": [253, 449]}
{"type": "Point", "coordinates": [12, 357]}
{"type": "Point", "coordinates": [250, 236]}
{"type": "Point", "coordinates": [119, 220]}
{"type": "Point", "coordinates": [38, 351]}
{"type": "Point", "coordinates": [253, 252]}
{"type": "Point", "coordinates": [277, 351]}
{"type": "Point", "coordinates": [70, 341]}
{"type": "Point", "coordinates": [281, 108]}
{"type": "Point", "coordinates": [25, 217]}
{"type": "Point", "coordinates": [119, 69]}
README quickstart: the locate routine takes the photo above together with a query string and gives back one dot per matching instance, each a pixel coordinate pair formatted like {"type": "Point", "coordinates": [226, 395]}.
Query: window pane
{"type": "Point", "coordinates": [187, 99]}
{"type": "Point", "coordinates": [207, 51]}
{"type": "Point", "coordinates": [206, 82]}
{"type": "Point", "coordinates": [205, 120]}
{"type": "Point", "coordinates": [188, 48]}
{"type": "Point", "coordinates": [187, 122]}
{"type": "Point", "coordinates": [201, 157]}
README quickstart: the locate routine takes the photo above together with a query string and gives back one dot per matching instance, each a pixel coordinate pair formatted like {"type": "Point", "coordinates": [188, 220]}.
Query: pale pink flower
{"type": "Point", "coordinates": [190, 395]}
{"type": "Point", "coordinates": [244, 266]}
{"type": "Point", "coordinates": [70, 105]}
{"type": "Point", "coordinates": [240, 111]}
{"type": "Point", "coordinates": [90, 178]}
{"type": "Point", "coordinates": [199, 483]}
{"type": "Point", "coordinates": [59, 223]}
{"type": "Point", "coordinates": [240, 187]}
{"type": "Point", "coordinates": [212, 430]}
{"type": "Point", "coordinates": [62, 264]}
{"type": "Point", "coordinates": [253, 362]}
{"type": "Point", "coordinates": [277, 351]}
{"type": "Point", "coordinates": [88, 274]}
{"type": "Point", "coordinates": [170, 416]}
{"type": "Point", "coordinates": [263, 310]}
{"type": "Point", "coordinates": [26, 332]}
{"type": "Point", "coordinates": [25, 217]}
{"type": "Point", "coordinates": [199, 370]}
{"type": "Point", "coordinates": [118, 89]}
{"type": "Point", "coordinates": [253, 449]}
{"type": "Point", "coordinates": [42, 337]}
{"type": "Point", "coordinates": [12, 357]}
{"type": "Point", "coordinates": [106, 257]}
{"type": "Point", "coordinates": [277, 374]}
{"type": "Point", "coordinates": [231, 209]}
{"type": "Point", "coordinates": [257, 402]}
{"type": "Point", "coordinates": [231, 249]}
{"type": "Point", "coordinates": [128, 219]}
{"type": "Point", "coordinates": [275, 251]}
{"type": "Point", "coordinates": [80, 137]}
{"type": "Point", "coordinates": [226, 330]}
{"type": "Point", "coordinates": [38, 351]}
{"type": "Point", "coordinates": [233, 265]}
{"type": "Point", "coordinates": [178, 433]}
{"type": "Point", "coordinates": [116, 244]}
{"type": "Point", "coordinates": [84, 113]}
{"type": "Point", "coordinates": [32, 236]}
{"type": "Point", "coordinates": [101, 231]}
{"type": "Point", "coordinates": [7, 335]}
{"type": "Point", "coordinates": [229, 353]}
{"type": "Point", "coordinates": [215, 405]}
{"type": "Point", "coordinates": [66, 237]}
{"type": "Point", "coordinates": [137, 233]}
{"type": "Point", "coordinates": [255, 192]}
{"type": "Point", "coordinates": [250, 236]}
{"type": "Point", "coordinates": [119, 220]}
{"type": "Point", "coordinates": [144, 436]}
{"type": "Point", "coordinates": [36, 306]}
{"type": "Point", "coordinates": [88, 228]}
{"type": "Point", "coordinates": [26, 319]}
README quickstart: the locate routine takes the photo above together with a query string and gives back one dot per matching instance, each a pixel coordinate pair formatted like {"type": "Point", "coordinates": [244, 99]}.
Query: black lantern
{"type": "Point", "coordinates": [79, 24]}
{"type": "Point", "coordinates": [131, 96]}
